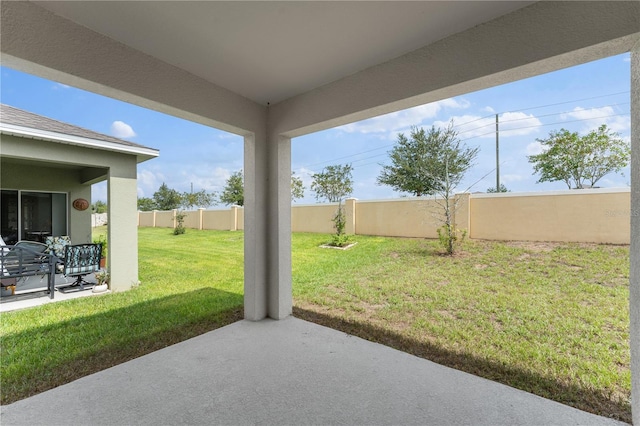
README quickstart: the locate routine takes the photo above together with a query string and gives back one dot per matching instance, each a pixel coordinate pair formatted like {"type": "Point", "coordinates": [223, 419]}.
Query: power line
{"type": "Point", "coordinates": [492, 124]}
{"type": "Point", "coordinates": [545, 124]}
{"type": "Point", "coordinates": [538, 116]}
{"type": "Point", "coordinates": [548, 105]}
{"type": "Point", "coordinates": [509, 130]}
{"type": "Point", "coordinates": [576, 100]}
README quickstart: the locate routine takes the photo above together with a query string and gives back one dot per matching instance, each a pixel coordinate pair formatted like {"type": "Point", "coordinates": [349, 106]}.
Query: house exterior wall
{"type": "Point", "coordinates": [73, 169]}
{"type": "Point", "coordinates": [48, 179]}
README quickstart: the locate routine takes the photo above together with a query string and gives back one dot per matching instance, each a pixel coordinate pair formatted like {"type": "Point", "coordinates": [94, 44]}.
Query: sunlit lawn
{"type": "Point", "coordinates": [549, 319]}
{"type": "Point", "coordinates": [190, 284]}
{"type": "Point", "coordinates": [552, 319]}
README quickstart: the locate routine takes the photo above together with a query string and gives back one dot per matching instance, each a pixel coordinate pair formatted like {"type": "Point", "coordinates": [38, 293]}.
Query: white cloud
{"type": "Point", "coordinates": [518, 123]}
{"type": "Point", "coordinates": [595, 117]}
{"type": "Point", "coordinates": [534, 148]}
{"type": "Point", "coordinates": [120, 129]}
{"type": "Point", "coordinates": [306, 176]}
{"type": "Point", "coordinates": [405, 118]}
{"type": "Point", "coordinates": [149, 182]}
{"type": "Point", "coordinates": [209, 179]}
{"type": "Point", "coordinates": [59, 86]}
{"type": "Point", "coordinates": [488, 109]}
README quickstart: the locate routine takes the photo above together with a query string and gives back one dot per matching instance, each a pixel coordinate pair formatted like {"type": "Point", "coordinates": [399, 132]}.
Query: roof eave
{"type": "Point", "coordinates": [142, 153]}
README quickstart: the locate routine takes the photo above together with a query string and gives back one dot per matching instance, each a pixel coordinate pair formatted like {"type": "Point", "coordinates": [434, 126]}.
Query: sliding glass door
{"type": "Point", "coordinates": [33, 216]}
{"type": "Point", "coordinates": [9, 216]}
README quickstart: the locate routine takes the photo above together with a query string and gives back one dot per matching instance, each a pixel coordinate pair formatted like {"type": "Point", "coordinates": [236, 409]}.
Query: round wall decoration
{"type": "Point", "coordinates": [80, 204]}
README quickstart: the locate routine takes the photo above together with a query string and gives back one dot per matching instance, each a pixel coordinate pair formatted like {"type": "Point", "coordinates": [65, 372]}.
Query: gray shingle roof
{"type": "Point", "coordinates": [17, 117]}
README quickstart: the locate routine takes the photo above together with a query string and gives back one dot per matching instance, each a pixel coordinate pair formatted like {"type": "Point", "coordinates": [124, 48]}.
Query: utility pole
{"type": "Point", "coordinates": [497, 156]}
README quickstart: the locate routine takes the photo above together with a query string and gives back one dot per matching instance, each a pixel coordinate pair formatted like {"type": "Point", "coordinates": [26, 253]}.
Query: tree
{"type": "Point", "coordinates": [431, 162]}
{"type": "Point", "coordinates": [99, 207]}
{"type": "Point", "coordinates": [146, 204]}
{"type": "Point", "coordinates": [492, 190]}
{"type": "Point", "coordinates": [297, 187]}
{"type": "Point", "coordinates": [417, 162]}
{"type": "Point", "coordinates": [166, 198]}
{"type": "Point", "coordinates": [334, 183]}
{"type": "Point", "coordinates": [189, 200]}
{"type": "Point", "coordinates": [233, 192]}
{"type": "Point", "coordinates": [576, 160]}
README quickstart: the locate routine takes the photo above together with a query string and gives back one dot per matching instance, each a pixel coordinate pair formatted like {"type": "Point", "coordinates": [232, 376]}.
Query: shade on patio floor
{"type": "Point", "coordinates": [31, 291]}
{"type": "Point", "coordinates": [286, 372]}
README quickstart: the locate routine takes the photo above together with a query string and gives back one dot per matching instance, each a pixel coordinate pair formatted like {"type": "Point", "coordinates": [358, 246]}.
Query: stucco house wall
{"type": "Point", "coordinates": [39, 154]}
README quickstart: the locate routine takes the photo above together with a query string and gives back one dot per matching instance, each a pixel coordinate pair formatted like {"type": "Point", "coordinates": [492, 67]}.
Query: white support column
{"type": "Point", "coordinates": [255, 224]}
{"type": "Point", "coordinates": [122, 195]}
{"type": "Point", "coordinates": [267, 244]}
{"type": "Point", "coordinates": [634, 255]}
{"type": "Point", "coordinates": [280, 299]}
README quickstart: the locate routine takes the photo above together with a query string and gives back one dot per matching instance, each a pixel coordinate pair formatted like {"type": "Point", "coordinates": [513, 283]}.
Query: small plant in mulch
{"type": "Point", "coordinates": [340, 239]}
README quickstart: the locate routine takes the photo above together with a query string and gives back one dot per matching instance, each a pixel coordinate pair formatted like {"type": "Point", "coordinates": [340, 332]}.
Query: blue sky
{"type": "Point", "coordinates": [579, 99]}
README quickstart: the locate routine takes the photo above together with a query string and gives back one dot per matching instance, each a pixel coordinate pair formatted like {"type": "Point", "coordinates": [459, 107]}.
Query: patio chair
{"type": "Point", "coordinates": [79, 261]}
{"type": "Point", "coordinates": [56, 246]}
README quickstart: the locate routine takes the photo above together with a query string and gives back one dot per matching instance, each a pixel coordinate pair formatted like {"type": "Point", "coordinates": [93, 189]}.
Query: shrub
{"type": "Point", "coordinates": [451, 237]}
{"type": "Point", "coordinates": [180, 229]}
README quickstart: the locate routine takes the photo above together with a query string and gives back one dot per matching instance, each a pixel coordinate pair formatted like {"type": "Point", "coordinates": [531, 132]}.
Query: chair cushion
{"type": "Point", "coordinates": [82, 259]}
{"type": "Point", "coordinates": [56, 245]}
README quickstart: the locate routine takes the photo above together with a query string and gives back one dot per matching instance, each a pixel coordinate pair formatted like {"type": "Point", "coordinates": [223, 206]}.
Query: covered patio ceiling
{"type": "Point", "coordinates": [290, 48]}
{"type": "Point", "coordinates": [271, 71]}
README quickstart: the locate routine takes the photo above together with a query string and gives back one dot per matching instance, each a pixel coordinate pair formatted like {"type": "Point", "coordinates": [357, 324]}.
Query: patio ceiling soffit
{"type": "Point", "coordinates": [543, 37]}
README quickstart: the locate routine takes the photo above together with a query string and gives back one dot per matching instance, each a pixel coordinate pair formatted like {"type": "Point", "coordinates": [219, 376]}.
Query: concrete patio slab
{"type": "Point", "coordinates": [32, 292]}
{"type": "Point", "coordinates": [286, 372]}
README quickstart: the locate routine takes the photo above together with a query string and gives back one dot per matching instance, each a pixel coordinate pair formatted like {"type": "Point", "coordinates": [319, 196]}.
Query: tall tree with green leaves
{"type": "Point", "coordinates": [197, 199]}
{"type": "Point", "coordinates": [166, 198]}
{"type": "Point", "coordinates": [580, 160]}
{"type": "Point", "coordinates": [431, 162]}
{"type": "Point", "coordinates": [146, 204]}
{"type": "Point", "coordinates": [233, 192]}
{"type": "Point", "coordinates": [418, 162]}
{"type": "Point", "coordinates": [334, 183]}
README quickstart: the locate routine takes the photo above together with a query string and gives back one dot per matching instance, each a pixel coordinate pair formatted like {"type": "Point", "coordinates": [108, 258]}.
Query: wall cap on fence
{"type": "Point", "coordinates": [559, 192]}
{"type": "Point", "coordinates": [407, 199]}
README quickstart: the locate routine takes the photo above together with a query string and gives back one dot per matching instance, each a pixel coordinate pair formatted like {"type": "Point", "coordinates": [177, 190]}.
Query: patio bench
{"type": "Point", "coordinates": [26, 259]}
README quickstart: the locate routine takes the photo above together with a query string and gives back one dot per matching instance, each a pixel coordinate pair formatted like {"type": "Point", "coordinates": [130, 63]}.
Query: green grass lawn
{"type": "Point", "coordinates": [551, 319]}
